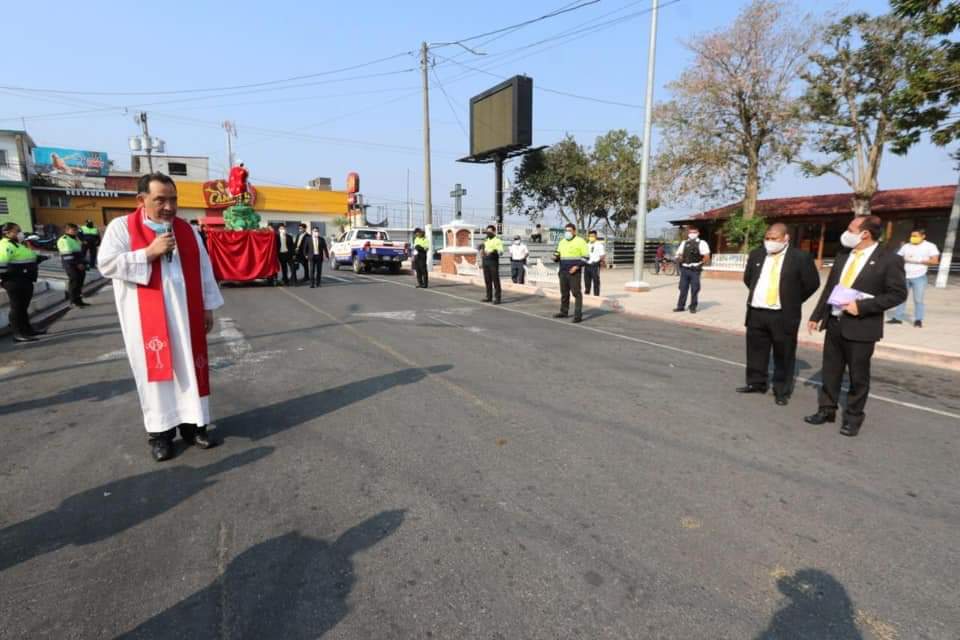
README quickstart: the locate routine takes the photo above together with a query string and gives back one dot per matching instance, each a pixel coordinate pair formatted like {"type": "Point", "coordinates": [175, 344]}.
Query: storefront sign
{"type": "Point", "coordinates": [70, 162]}
{"type": "Point", "coordinates": [93, 193]}
{"type": "Point", "coordinates": [216, 195]}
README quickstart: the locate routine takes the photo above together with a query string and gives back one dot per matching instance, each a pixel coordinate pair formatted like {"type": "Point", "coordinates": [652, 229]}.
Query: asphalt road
{"type": "Point", "coordinates": [399, 463]}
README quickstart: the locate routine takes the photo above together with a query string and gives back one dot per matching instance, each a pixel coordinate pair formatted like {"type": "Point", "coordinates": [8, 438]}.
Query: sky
{"type": "Point", "coordinates": [331, 121]}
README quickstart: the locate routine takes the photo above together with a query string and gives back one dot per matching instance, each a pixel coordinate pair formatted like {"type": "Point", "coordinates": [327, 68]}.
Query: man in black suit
{"type": "Point", "coordinates": [315, 252]}
{"type": "Point", "coordinates": [286, 253]}
{"type": "Point", "coordinates": [299, 258]}
{"type": "Point", "coordinates": [780, 279]}
{"type": "Point", "coordinates": [854, 329]}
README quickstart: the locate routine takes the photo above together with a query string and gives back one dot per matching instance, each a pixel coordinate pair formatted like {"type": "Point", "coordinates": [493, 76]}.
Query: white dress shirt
{"type": "Point", "coordinates": [519, 251]}
{"type": "Point", "coordinates": [284, 237]}
{"type": "Point", "coordinates": [597, 252]}
{"type": "Point", "coordinates": [759, 300]}
{"type": "Point", "coordinates": [864, 261]}
{"type": "Point", "coordinates": [704, 252]}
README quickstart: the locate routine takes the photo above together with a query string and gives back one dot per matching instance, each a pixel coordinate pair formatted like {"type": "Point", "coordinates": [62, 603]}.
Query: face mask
{"type": "Point", "coordinates": [693, 236]}
{"type": "Point", "coordinates": [772, 246]}
{"type": "Point", "coordinates": [915, 239]}
{"type": "Point", "coordinates": [849, 239]}
{"type": "Point", "coordinates": [516, 243]}
{"type": "Point", "coordinates": [158, 227]}
{"type": "Point", "coordinates": [592, 240]}
{"type": "Point", "coordinates": [316, 234]}
{"type": "Point", "coordinates": [567, 235]}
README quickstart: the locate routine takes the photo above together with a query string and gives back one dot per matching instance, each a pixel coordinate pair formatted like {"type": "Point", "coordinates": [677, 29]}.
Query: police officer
{"type": "Point", "coordinates": [692, 254]}
{"type": "Point", "coordinates": [91, 241]}
{"type": "Point", "coordinates": [491, 249]}
{"type": "Point", "coordinates": [18, 272]}
{"type": "Point", "coordinates": [71, 256]}
{"type": "Point", "coordinates": [421, 248]}
{"type": "Point", "coordinates": [572, 253]}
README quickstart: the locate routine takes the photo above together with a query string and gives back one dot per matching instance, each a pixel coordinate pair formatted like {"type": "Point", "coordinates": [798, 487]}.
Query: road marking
{"type": "Point", "coordinates": [13, 366]}
{"type": "Point", "coordinates": [408, 316]}
{"type": "Point", "coordinates": [338, 279]}
{"type": "Point", "coordinates": [112, 355]}
{"type": "Point", "coordinates": [240, 350]}
{"type": "Point", "coordinates": [486, 407]}
{"type": "Point", "coordinates": [649, 343]}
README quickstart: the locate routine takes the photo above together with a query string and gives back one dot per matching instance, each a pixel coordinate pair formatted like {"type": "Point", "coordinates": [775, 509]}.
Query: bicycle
{"type": "Point", "coordinates": [668, 267]}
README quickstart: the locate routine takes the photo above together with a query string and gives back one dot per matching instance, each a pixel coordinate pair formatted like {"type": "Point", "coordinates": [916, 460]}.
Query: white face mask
{"type": "Point", "coordinates": [773, 246]}
{"type": "Point", "coordinates": [849, 239]}
{"type": "Point", "coordinates": [567, 235]}
{"type": "Point", "coordinates": [516, 243]}
{"type": "Point", "coordinates": [693, 236]}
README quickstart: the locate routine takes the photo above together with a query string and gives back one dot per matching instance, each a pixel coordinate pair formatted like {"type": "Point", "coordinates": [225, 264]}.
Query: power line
{"type": "Point", "coordinates": [211, 89]}
{"type": "Point", "coordinates": [450, 103]}
{"type": "Point", "coordinates": [513, 27]}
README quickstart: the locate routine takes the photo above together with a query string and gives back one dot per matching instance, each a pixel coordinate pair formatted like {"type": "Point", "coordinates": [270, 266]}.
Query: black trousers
{"type": "Point", "coordinates": [316, 270]}
{"type": "Point", "coordinates": [301, 261]}
{"type": "Point", "coordinates": [19, 291]}
{"type": "Point", "coordinates": [689, 281]}
{"type": "Point", "coordinates": [91, 252]}
{"type": "Point", "coordinates": [517, 272]}
{"type": "Point", "coordinates": [288, 266]}
{"type": "Point", "coordinates": [768, 331]}
{"type": "Point", "coordinates": [591, 277]}
{"type": "Point", "coordinates": [420, 266]}
{"type": "Point", "coordinates": [491, 279]}
{"type": "Point", "coordinates": [75, 278]}
{"type": "Point", "coordinates": [839, 355]}
{"type": "Point", "coordinates": [571, 283]}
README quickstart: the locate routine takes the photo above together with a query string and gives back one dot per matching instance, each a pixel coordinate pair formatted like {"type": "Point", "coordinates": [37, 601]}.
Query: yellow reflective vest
{"type": "Point", "coordinates": [17, 261]}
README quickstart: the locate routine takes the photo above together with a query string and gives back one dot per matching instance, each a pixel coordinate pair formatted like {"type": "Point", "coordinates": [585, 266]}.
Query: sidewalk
{"type": "Point", "coordinates": [723, 307]}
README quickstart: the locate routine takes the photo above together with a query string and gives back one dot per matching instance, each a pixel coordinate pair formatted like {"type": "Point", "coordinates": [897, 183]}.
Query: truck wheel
{"type": "Point", "coordinates": [334, 264]}
{"type": "Point", "coordinates": [394, 269]}
{"type": "Point", "coordinates": [357, 265]}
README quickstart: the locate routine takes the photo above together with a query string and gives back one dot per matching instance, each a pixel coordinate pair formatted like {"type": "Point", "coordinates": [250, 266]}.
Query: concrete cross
{"type": "Point", "coordinates": [457, 195]}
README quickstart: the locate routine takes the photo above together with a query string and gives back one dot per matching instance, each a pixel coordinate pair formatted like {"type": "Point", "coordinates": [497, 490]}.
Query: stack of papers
{"type": "Point", "coordinates": [841, 296]}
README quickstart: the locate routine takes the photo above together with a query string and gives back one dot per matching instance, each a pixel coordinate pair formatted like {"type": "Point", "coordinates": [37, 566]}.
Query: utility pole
{"type": "Point", "coordinates": [231, 129]}
{"type": "Point", "coordinates": [637, 284]}
{"type": "Point", "coordinates": [949, 243]}
{"type": "Point", "coordinates": [427, 196]}
{"type": "Point", "coordinates": [141, 119]}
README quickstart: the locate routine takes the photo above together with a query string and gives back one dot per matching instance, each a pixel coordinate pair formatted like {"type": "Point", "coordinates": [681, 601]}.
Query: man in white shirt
{"type": "Point", "coordinates": [918, 255]}
{"type": "Point", "coordinates": [591, 272]}
{"type": "Point", "coordinates": [518, 260]}
{"type": "Point", "coordinates": [692, 254]}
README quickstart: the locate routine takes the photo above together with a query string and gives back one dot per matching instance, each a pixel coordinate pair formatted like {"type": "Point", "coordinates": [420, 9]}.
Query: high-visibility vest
{"type": "Point", "coordinates": [573, 252]}
{"type": "Point", "coordinates": [71, 251]}
{"type": "Point", "coordinates": [421, 242]}
{"type": "Point", "coordinates": [17, 261]}
{"type": "Point", "coordinates": [89, 231]}
{"type": "Point", "coordinates": [491, 246]}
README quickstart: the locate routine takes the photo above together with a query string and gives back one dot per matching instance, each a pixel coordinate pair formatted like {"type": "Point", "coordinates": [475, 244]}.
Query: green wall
{"type": "Point", "coordinates": [18, 202]}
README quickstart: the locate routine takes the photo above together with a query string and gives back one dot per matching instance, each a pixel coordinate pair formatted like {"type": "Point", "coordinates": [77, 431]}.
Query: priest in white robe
{"type": "Point", "coordinates": [165, 292]}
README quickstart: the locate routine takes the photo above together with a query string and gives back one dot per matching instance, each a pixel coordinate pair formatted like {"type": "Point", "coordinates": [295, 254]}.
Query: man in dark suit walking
{"type": "Point", "coordinates": [854, 329]}
{"type": "Point", "coordinates": [286, 254]}
{"type": "Point", "coordinates": [315, 252]}
{"type": "Point", "coordinates": [299, 251]}
{"type": "Point", "coordinates": [780, 279]}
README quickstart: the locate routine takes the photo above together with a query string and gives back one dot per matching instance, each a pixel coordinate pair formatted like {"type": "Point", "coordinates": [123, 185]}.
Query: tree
{"type": "Point", "coordinates": [588, 187]}
{"type": "Point", "coordinates": [853, 99]}
{"type": "Point", "coordinates": [733, 120]}
{"type": "Point", "coordinates": [746, 232]}
{"type": "Point", "coordinates": [933, 81]}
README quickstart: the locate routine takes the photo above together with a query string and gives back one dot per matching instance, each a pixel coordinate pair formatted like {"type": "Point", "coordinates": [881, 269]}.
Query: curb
{"type": "Point", "coordinates": [54, 312]}
{"type": "Point", "coordinates": [886, 351]}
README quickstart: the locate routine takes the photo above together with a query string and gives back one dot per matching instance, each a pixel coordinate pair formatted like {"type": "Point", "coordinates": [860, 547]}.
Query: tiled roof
{"type": "Point", "coordinates": [919, 198]}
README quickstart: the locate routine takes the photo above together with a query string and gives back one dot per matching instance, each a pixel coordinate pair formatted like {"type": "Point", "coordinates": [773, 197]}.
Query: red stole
{"type": "Point", "coordinates": [153, 317]}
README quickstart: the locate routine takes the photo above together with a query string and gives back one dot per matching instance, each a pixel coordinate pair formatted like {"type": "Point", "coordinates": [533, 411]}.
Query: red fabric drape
{"type": "Point", "coordinates": [242, 255]}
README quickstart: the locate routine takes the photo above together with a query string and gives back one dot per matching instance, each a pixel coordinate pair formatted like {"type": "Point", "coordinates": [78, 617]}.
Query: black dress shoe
{"type": "Point", "coordinates": [752, 388]}
{"type": "Point", "coordinates": [678, 309]}
{"type": "Point", "coordinates": [24, 339]}
{"type": "Point", "coordinates": [821, 417]}
{"type": "Point", "coordinates": [202, 440]}
{"type": "Point", "coordinates": [487, 300]}
{"type": "Point", "coordinates": [577, 320]}
{"type": "Point", "coordinates": [561, 315]}
{"type": "Point", "coordinates": [894, 321]}
{"type": "Point", "coordinates": [693, 309]}
{"type": "Point", "coordinates": [38, 332]}
{"type": "Point", "coordinates": [781, 399]}
{"type": "Point", "coordinates": [161, 449]}
{"type": "Point", "coordinates": [496, 302]}
{"type": "Point", "coordinates": [849, 430]}
{"type": "Point", "coordinates": [918, 324]}
{"type": "Point", "coordinates": [82, 304]}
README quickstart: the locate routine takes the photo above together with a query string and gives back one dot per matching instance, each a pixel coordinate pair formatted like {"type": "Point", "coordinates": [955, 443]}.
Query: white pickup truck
{"type": "Point", "coordinates": [366, 248]}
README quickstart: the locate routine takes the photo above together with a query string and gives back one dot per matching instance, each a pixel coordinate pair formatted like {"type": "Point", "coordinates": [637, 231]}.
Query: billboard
{"type": "Point", "coordinates": [70, 162]}
{"type": "Point", "coordinates": [501, 118]}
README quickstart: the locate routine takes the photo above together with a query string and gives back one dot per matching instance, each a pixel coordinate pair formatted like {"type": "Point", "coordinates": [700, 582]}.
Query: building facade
{"type": "Point", "coordinates": [16, 169]}
{"type": "Point", "coordinates": [177, 167]}
{"type": "Point", "coordinates": [817, 222]}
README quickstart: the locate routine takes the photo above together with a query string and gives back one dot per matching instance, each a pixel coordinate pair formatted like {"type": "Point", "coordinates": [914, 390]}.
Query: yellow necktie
{"type": "Point", "coordinates": [773, 286]}
{"type": "Point", "coordinates": [850, 273]}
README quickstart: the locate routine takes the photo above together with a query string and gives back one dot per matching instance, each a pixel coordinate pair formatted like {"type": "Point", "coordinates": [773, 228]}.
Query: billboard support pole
{"type": "Point", "coordinates": [637, 284]}
{"type": "Point", "coordinates": [142, 117]}
{"type": "Point", "coordinates": [498, 191]}
{"type": "Point", "coordinates": [427, 196]}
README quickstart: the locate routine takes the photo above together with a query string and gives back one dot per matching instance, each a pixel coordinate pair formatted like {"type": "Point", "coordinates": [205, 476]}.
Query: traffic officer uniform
{"type": "Point", "coordinates": [71, 256]}
{"type": "Point", "coordinates": [18, 272]}
{"type": "Point", "coordinates": [571, 253]}
{"type": "Point", "coordinates": [492, 248]}
{"type": "Point", "coordinates": [421, 248]}
{"type": "Point", "coordinates": [91, 242]}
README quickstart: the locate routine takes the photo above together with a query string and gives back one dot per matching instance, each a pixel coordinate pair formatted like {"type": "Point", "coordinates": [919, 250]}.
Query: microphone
{"type": "Point", "coordinates": [168, 228]}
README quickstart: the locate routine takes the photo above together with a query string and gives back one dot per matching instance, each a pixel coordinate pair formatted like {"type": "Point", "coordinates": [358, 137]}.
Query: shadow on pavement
{"type": "Point", "coordinates": [95, 391]}
{"type": "Point", "coordinates": [290, 587]}
{"type": "Point", "coordinates": [818, 608]}
{"type": "Point", "coordinates": [272, 419]}
{"type": "Point", "coordinates": [99, 513]}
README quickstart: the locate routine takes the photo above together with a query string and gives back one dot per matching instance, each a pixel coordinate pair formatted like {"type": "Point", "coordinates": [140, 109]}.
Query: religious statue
{"type": "Point", "coordinates": [237, 183]}
{"type": "Point", "coordinates": [241, 217]}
